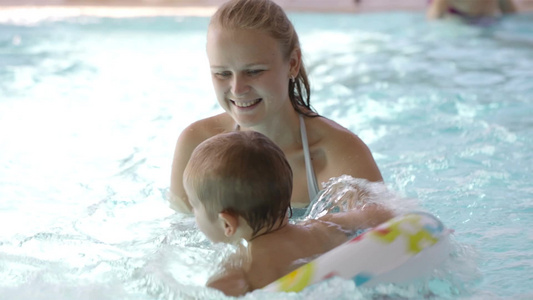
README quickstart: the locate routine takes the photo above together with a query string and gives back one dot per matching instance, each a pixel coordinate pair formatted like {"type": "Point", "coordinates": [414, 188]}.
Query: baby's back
{"type": "Point", "coordinates": [275, 254]}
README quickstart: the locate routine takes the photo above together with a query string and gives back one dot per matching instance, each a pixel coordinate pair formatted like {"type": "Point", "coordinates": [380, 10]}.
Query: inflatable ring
{"type": "Point", "coordinates": [401, 249]}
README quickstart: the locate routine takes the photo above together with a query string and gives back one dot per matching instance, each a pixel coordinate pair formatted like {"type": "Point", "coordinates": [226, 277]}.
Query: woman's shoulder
{"type": "Point", "coordinates": [344, 151]}
{"type": "Point", "coordinates": [200, 130]}
{"type": "Point", "coordinates": [330, 134]}
{"type": "Point", "coordinates": [196, 133]}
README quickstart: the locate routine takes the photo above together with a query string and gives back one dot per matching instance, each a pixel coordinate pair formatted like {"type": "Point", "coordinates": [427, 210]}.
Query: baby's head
{"type": "Point", "coordinates": [243, 174]}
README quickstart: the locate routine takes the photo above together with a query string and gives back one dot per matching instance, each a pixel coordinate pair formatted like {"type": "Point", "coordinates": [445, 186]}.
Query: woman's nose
{"type": "Point", "coordinates": [239, 85]}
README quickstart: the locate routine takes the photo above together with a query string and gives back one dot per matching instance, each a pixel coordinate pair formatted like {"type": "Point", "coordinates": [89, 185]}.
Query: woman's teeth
{"type": "Point", "coordinates": [246, 104]}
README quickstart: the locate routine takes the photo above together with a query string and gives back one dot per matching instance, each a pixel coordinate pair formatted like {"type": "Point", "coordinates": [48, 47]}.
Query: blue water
{"type": "Point", "coordinates": [90, 109]}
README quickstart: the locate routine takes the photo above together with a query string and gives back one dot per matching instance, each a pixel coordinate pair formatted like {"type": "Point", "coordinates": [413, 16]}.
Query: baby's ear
{"type": "Point", "coordinates": [230, 222]}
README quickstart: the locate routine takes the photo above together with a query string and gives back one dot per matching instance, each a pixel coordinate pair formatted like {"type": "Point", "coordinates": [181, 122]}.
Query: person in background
{"type": "Point", "coordinates": [239, 185]}
{"type": "Point", "coordinates": [469, 8]}
{"type": "Point", "coordinates": [261, 82]}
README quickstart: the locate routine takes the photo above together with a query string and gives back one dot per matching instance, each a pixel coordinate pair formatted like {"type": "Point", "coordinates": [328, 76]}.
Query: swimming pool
{"type": "Point", "coordinates": [90, 109]}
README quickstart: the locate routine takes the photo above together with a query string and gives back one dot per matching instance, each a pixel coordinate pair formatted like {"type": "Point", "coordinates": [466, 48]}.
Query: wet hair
{"type": "Point", "coordinates": [243, 173]}
{"type": "Point", "coordinates": [267, 16]}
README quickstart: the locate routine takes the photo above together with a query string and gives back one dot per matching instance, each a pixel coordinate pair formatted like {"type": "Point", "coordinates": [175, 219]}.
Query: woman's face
{"type": "Point", "coordinates": [249, 73]}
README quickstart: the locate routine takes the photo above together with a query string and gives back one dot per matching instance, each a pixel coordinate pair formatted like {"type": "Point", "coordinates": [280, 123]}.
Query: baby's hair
{"type": "Point", "coordinates": [243, 173]}
{"type": "Point", "coordinates": [267, 16]}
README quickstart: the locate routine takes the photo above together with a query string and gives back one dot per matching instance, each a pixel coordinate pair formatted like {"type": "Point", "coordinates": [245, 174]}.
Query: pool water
{"type": "Point", "coordinates": [90, 109]}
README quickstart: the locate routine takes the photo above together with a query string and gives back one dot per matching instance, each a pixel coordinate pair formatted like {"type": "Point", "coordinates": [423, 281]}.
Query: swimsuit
{"type": "Point", "coordinates": [312, 185]}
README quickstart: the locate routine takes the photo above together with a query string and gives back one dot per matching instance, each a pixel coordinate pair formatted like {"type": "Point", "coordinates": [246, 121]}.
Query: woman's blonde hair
{"type": "Point", "coordinates": [267, 16]}
{"type": "Point", "coordinates": [243, 173]}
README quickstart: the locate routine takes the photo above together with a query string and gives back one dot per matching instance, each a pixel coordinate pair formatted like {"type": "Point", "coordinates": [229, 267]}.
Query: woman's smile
{"type": "Point", "coordinates": [246, 104]}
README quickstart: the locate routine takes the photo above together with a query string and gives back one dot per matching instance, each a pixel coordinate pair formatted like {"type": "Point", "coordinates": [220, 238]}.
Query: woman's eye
{"type": "Point", "coordinates": [224, 74]}
{"type": "Point", "coordinates": [254, 72]}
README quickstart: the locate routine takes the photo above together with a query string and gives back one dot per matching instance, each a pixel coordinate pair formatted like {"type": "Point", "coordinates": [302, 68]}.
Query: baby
{"type": "Point", "coordinates": [239, 185]}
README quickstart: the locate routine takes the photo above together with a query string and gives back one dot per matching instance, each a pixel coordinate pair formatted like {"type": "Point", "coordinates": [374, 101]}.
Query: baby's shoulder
{"type": "Point", "coordinates": [326, 232]}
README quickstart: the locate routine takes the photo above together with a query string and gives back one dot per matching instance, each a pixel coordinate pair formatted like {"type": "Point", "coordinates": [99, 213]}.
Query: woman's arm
{"type": "Point", "coordinates": [347, 154]}
{"type": "Point", "coordinates": [368, 216]}
{"type": "Point", "coordinates": [437, 9]}
{"type": "Point", "coordinates": [184, 148]}
{"type": "Point", "coordinates": [188, 140]}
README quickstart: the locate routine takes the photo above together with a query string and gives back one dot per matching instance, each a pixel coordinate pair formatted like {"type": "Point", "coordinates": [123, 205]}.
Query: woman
{"type": "Point", "coordinates": [469, 8]}
{"type": "Point", "coordinates": [260, 81]}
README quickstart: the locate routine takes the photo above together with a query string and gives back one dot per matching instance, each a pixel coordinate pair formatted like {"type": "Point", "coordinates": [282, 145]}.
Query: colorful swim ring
{"type": "Point", "coordinates": [401, 249]}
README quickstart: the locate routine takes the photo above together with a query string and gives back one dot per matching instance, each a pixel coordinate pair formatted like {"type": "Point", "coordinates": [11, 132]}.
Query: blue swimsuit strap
{"type": "Point", "coordinates": [312, 185]}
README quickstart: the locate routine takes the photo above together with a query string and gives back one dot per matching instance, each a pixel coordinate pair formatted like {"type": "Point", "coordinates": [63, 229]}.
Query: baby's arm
{"type": "Point", "coordinates": [232, 282]}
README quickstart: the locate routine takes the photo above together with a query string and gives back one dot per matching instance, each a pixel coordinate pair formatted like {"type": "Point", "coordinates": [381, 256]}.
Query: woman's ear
{"type": "Point", "coordinates": [295, 60]}
{"type": "Point", "coordinates": [230, 223]}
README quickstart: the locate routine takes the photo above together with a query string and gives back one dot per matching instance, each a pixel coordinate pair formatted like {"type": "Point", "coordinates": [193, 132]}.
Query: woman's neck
{"type": "Point", "coordinates": [283, 129]}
